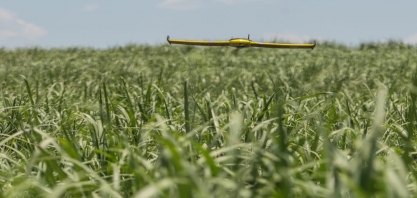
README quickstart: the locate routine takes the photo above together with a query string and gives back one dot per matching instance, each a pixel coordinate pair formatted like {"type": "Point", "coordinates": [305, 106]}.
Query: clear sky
{"type": "Point", "coordinates": [105, 23]}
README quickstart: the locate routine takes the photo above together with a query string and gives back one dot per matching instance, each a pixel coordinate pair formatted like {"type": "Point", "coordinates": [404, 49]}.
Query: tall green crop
{"type": "Point", "coordinates": [168, 121]}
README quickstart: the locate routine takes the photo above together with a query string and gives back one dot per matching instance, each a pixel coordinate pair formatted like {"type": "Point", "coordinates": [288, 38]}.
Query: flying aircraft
{"type": "Point", "coordinates": [239, 43]}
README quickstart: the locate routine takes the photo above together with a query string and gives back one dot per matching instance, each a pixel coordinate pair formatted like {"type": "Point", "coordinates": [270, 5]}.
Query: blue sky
{"type": "Point", "coordinates": [105, 23]}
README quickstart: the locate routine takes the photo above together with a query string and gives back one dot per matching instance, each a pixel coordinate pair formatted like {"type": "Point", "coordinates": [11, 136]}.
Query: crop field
{"type": "Point", "coordinates": [179, 121]}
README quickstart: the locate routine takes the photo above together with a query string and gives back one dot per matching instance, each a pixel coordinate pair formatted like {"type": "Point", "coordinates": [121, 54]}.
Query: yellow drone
{"type": "Point", "coordinates": [240, 43]}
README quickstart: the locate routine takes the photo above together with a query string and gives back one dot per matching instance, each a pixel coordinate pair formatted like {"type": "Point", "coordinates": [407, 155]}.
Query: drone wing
{"type": "Point", "coordinates": [282, 45]}
{"type": "Point", "coordinates": [197, 42]}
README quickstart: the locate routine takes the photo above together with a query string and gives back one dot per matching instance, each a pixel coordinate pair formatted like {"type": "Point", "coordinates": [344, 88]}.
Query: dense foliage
{"type": "Point", "coordinates": [178, 121]}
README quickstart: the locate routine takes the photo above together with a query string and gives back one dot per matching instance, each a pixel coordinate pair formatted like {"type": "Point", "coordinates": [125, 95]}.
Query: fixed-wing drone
{"type": "Point", "coordinates": [240, 43]}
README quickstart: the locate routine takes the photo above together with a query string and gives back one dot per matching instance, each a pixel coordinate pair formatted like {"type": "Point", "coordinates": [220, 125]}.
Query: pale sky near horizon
{"type": "Point", "coordinates": [104, 23]}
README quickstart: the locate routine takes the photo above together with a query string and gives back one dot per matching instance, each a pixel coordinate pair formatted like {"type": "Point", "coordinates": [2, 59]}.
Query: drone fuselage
{"type": "Point", "coordinates": [240, 42]}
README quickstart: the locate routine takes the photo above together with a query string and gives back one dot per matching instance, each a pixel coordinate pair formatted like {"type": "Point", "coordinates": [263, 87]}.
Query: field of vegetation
{"type": "Point", "coordinates": [178, 121]}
